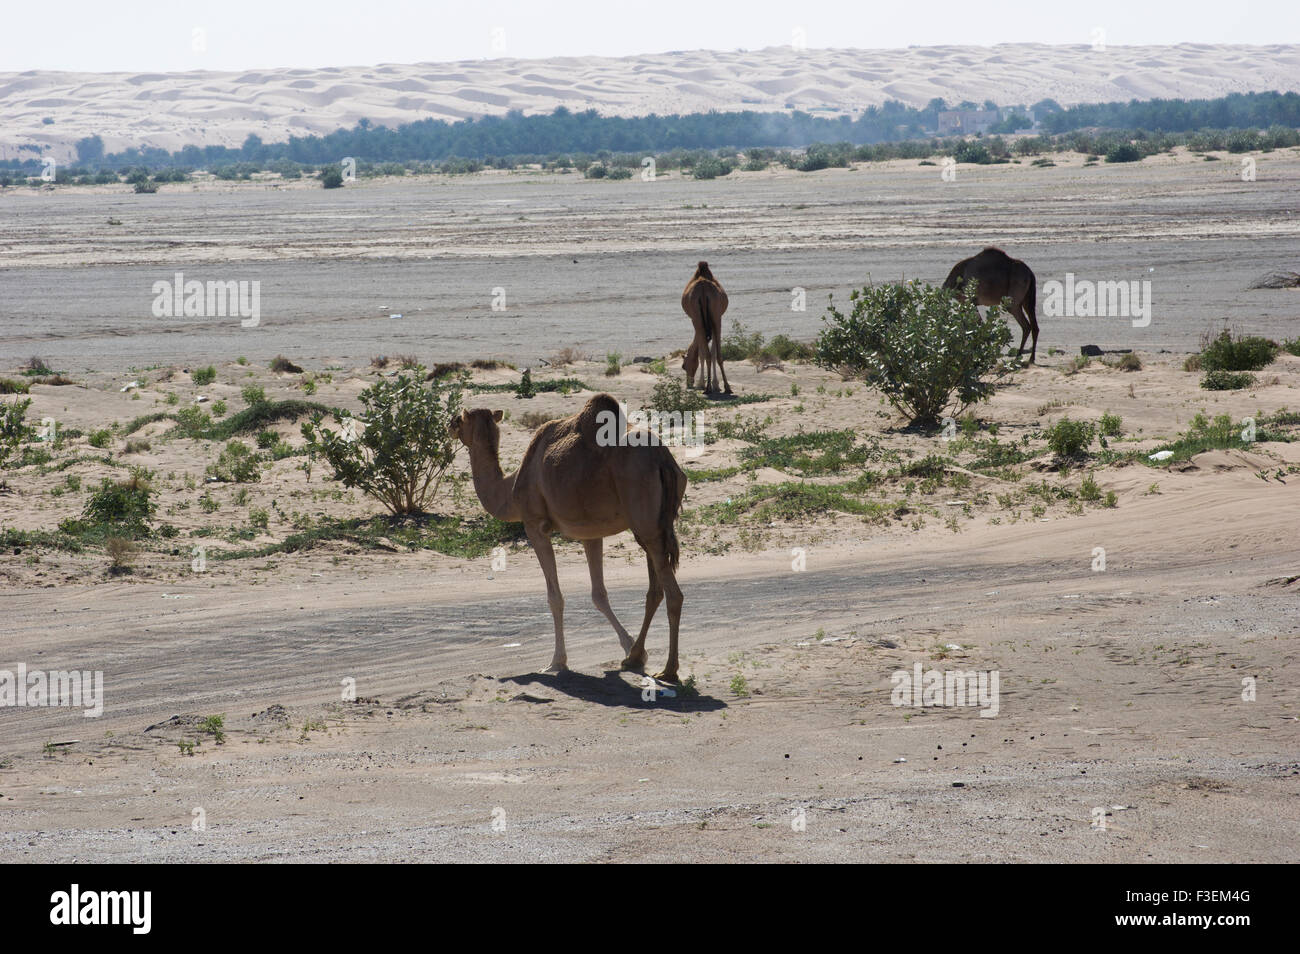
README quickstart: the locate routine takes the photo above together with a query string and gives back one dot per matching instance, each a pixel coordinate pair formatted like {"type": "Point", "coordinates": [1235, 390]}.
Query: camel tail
{"type": "Point", "coordinates": [1031, 301]}
{"type": "Point", "coordinates": [705, 318]}
{"type": "Point", "coordinates": [673, 487]}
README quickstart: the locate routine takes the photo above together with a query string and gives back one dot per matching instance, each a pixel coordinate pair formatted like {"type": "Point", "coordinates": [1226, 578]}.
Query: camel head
{"type": "Point", "coordinates": [690, 361]}
{"type": "Point", "coordinates": [477, 427]}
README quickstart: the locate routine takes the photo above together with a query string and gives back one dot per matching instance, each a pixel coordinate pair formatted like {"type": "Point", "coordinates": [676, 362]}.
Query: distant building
{"type": "Point", "coordinates": [969, 122]}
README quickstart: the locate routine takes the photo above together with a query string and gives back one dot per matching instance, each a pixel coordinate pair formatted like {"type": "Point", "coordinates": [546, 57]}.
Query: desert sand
{"type": "Point", "coordinates": [170, 110]}
{"type": "Point", "coordinates": [1123, 733]}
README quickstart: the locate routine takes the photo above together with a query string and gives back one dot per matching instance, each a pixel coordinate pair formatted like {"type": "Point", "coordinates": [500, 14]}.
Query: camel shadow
{"type": "Point", "coordinates": [614, 690]}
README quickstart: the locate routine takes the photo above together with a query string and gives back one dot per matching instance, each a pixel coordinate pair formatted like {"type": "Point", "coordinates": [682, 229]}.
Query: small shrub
{"type": "Point", "coordinates": [204, 376]}
{"type": "Point", "coordinates": [259, 518]}
{"type": "Point", "coordinates": [1227, 380]}
{"type": "Point", "coordinates": [710, 167]}
{"type": "Point", "coordinates": [120, 550]}
{"type": "Point", "coordinates": [1110, 425]}
{"type": "Point", "coordinates": [922, 346]}
{"type": "Point", "coordinates": [237, 464]}
{"type": "Point", "coordinates": [1089, 490]}
{"type": "Point", "coordinates": [525, 388]}
{"type": "Point", "coordinates": [613, 364]}
{"type": "Point", "coordinates": [670, 395]}
{"type": "Point", "coordinates": [253, 394]}
{"type": "Point", "coordinates": [12, 386]}
{"type": "Point", "coordinates": [267, 438]}
{"type": "Point", "coordinates": [100, 438]}
{"type": "Point", "coordinates": [1130, 362]}
{"type": "Point", "coordinates": [125, 504]}
{"type": "Point", "coordinates": [331, 177]}
{"type": "Point", "coordinates": [282, 365]}
{"type": "Point", "coordinates": [1069, 438]}
{"type": "Point", "coordinates": [1124, 152]}
{"type": "Point", "coordinates": [1242, 353]}
{"type": "Point", "coordinates": [14, 428]}
{"type": "Point", "coordinates": [405, 447]}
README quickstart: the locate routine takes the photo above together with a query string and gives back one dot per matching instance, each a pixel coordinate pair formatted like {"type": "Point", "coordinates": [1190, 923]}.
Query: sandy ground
{"type": "Point", "coordinates": [1121, 689]}
{"type": "Point", "coordinates": [171, 110]}
{"type": "Point", "coordinates": [598, 265]}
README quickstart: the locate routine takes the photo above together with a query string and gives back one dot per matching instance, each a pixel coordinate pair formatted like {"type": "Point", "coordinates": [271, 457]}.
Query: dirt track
{"type": "Point", "coordinates": [1118, 688]}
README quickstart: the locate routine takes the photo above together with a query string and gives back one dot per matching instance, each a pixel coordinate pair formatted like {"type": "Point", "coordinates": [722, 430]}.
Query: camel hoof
{"type": "Point", "coordinates": [667, 676]}
{"type": "Point", "coordinates": [555, 669]}
{"type": "Point", "coordinates": [633, 664]}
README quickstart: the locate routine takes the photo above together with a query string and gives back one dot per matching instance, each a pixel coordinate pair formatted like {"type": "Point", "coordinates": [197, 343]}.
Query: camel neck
{"type": "Point", "coordinates": [492, 486]}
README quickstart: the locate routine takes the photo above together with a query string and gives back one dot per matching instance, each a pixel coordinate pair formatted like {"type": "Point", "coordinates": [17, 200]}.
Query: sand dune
{"type": "Point", "coordinates": [175, 109]}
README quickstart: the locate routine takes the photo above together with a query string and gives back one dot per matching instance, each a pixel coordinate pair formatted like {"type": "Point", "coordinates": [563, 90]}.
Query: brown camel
{"type": "Point", "coordinates": [581, 480]}
{"type": "Point", "coordinates": [705, 302]}
{"type": "Point", "coordinates": [996, 275]}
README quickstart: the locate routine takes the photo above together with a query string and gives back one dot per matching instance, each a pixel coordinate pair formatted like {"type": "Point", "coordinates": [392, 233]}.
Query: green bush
{"type": "Point", "coordinates": [1242, 353]}
{"type": "Point", "coordinates": [14, 428]}
{"type": "Point", "coordinates": [331, 177]}
{"type": "Point", "coordinates": [669, 395]}
{"type": "Point", "coordinates": [1069, 438]}
{"type": "Point", "coordinates": [100, 438]}
{"type": "Point", "coordinates": [1124, 152]}
{"type": "Point", "coordinates": [237, 464]}
{"type": "Point", "coordinates": [204, 376]}
{"type": "Point", "coordinates": [923, 347]}
{"type": "Point", "coordinates": [254, 394]}
{"type": "Point", "coordinates": [192, 421]}
{"type": "Point", "coordinates": [404, 446]}
{"type": "Point", "coordinates": [710, 167]}
{"type": "Point", "coordinates": [1110, 425]}
{"type": "Point", "coordinates": [1227, 380]}
{"type": "Point", "coordinates": [123, 505]}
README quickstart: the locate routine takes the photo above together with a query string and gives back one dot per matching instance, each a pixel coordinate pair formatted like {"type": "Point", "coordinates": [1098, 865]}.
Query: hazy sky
{"type": "Point", "coordinates": [95, 35]}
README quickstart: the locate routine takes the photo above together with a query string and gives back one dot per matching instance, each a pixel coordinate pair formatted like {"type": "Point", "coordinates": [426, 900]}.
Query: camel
{"type": "Point", "coordinates": [705, 302]}
{"type": "Point", "coordinates": [579, 481]}
{"type": "Point", "coordinates": [997, 275]}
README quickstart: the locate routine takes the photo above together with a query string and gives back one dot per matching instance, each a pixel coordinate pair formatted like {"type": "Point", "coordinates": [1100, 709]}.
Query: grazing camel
{"type": "Point", "coordinates": [579, 481]}
{"type": "Point", "coordinates": [997, 275]}
{"type": "Point", "coordinates": [705, 302]}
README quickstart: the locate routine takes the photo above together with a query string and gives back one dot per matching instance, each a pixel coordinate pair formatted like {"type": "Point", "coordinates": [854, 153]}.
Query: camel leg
{"type": "Point", "coordinates": [1033, 328]}
{"type": "Point", "coordinates": [636, 658]}
{"type": "Point", "coordinates": [668, 580]}
{"type": "Point", "coordinates": [595, 564]}
{"type": "Point", "coordinates": [1019, 314]}
{"type": "Point", "coordinates": [546, 557]}
{"type": "Point", "coordinates": [717, 354]}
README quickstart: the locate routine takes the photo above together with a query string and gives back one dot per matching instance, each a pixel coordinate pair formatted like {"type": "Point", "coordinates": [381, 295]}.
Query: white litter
{"type": "Point", "coordinates": [132, 385]}
{"type": "Point", "coordinates": [896, 761]}
{"type": "Point", "coordinates": [201, 399]}
{"type": "Point", "coordinates": [1161, 455]}
{"type": "Point", "coordinates": [395, 316]}
{"type": "Point", "coordinates": [512, 645]}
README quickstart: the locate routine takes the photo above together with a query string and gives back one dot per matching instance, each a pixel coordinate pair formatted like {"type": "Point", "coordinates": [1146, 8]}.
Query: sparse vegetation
{"type": "Point", "coordinates": [399, 447]}
{"type": "Point", "coordinates": [922, 347]}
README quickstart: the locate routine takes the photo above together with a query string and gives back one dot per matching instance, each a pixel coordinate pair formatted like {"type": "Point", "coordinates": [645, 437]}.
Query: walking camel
{"type": "Point", "coordinates": [996, 275]}
{"type": "Point", "coordinates": [705, 302]}
{"type": "Point", "coordinates": [577, 482]}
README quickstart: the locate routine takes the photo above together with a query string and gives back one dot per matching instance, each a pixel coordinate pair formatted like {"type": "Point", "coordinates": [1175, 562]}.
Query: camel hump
{"type": "Point", "coordinates": [994, 252]}
{"type": "Point", "coordinates": [597, 414]}
{"type": "Point", "coordinates": [702, 271]}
